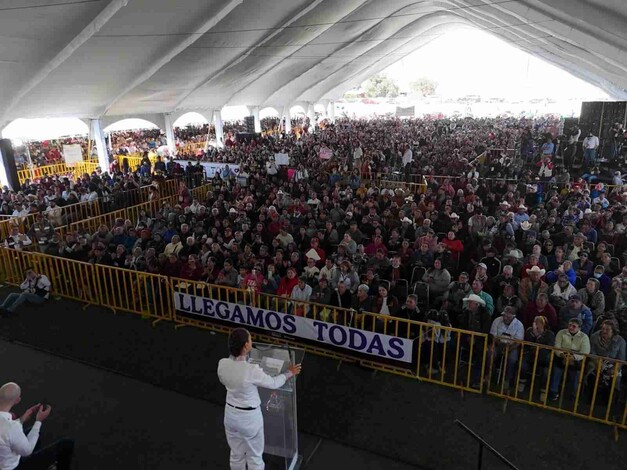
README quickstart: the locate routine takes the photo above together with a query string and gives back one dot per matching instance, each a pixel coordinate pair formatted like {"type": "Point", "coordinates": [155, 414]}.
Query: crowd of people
{"type": "Point", "coordinates": [531, 258]}
{"type": "Point", "coordinates": [47, 152]}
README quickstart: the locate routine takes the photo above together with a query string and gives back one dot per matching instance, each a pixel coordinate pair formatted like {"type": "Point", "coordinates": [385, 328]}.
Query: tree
{"type": "Point", "coordinates": [424, 86]}
{"type": "Point", "coordinates": [380, 86]}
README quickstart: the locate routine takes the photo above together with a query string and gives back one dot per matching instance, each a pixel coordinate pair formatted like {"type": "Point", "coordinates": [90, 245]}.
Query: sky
{"type": "Point", "coordinates": [456, 60]}
{"type": "Point", "coordinates": [472, 62]}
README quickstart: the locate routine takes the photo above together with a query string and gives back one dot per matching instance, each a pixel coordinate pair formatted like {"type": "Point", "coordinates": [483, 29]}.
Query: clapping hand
{"type": "Point", "coordinates": [44, 411]}
{"type": "Point", "coordinates": [28, 413]}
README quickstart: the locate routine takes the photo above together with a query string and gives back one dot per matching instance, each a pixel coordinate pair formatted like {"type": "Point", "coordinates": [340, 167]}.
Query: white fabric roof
{"type": "Point", "coordinates": [94, 58]}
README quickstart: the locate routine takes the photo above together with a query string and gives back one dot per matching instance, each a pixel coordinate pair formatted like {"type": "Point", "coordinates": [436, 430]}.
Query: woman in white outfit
{"type": "Point", "coordinates": [243, 421]}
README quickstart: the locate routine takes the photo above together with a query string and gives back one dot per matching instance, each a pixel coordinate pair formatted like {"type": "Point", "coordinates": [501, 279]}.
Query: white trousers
{"type": "Point", "coordinates": [244, 433]}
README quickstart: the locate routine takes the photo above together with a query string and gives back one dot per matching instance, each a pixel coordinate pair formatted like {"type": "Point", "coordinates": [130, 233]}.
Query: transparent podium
{"type": "Point", "coordinates": [279, 406]}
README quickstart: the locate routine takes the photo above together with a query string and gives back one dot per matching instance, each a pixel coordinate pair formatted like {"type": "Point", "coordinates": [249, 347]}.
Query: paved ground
{"type": "Point", "coordinates": [147, 397]}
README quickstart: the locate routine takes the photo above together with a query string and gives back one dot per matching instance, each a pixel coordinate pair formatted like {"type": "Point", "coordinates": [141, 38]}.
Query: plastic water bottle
{"type": "Point", "coordinates": [274, 403]}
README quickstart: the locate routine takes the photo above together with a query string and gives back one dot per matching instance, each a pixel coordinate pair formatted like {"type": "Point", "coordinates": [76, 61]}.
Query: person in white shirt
{"type": "Point", "coordinates": [243, 421]}
{"type": "Point", "coordinates": [505, 329]}
{"type": "Point", "coordinates": [35, 290]}
{"type": "Point", "coordinates": [18, 449]}
{"type": "Point", "coordinates": [590, 146]}
{"type": "Point", "coordinates": [17, 240]}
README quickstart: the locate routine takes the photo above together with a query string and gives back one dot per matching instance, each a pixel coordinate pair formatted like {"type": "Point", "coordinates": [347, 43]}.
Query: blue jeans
{"type": "Point", "coordinates": [590, 156]}
{"type": "Point", "coordinates": [512, 361]}
{"type": "Point", "coordinates": [572, 378]}
{"type": "Point", "coordinates": [13, 301]}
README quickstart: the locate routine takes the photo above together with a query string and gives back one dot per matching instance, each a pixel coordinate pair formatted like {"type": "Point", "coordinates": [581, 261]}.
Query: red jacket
{"type": "Point", "coordinates": [529, 313]}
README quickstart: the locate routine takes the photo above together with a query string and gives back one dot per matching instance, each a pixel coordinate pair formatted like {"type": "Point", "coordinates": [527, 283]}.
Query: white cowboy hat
{"type": "Point", "coordinates": [516, 253]}
{"type": "Point", "coordinates": [525, 225]}
{"type": "Point", "coordinates": [536, 269]}
{"type": "Point", "coordinates": [505, 203]}
{"type": "Point", "coordinates": [454, 216]}
{"type": "Point", "coordinates": [313, 254]}
{"type": "Point", "coordinates": [474, 298]}
{"type": "Point", "coordinates": [522, 207]}
{"type": "Point", "coordinates": [406, 219]}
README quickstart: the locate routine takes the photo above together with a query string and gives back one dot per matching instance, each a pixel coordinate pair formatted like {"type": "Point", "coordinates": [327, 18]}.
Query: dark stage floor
{"type": "Point", "coordinates": [135, 396]}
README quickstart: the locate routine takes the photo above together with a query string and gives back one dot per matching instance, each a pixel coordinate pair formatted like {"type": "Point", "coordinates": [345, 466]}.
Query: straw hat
{"type": "Point", "coordinates": [536, 269]}
{"type": "Point", "coordinates": [474, 298]}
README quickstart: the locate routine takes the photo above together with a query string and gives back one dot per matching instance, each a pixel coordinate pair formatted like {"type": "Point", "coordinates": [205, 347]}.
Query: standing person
{"type": "Point", "coordinates": [35, 290]}
{"type": "Point", "coordinates": [17, 448]}
{"type": "Point", "coordinates": [590, 146]}
{"type": "Point", "coordinates": [243, 421]}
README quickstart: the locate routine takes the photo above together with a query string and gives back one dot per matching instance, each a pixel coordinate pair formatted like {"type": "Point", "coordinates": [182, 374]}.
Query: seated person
{"type": "Point", "coordinates": [593, 297]}
{"type": "Point", "coordinates": [453, 297]}
{"type": "Point", "coordinates": [575, 309]}
{"type": "Point", "coordinates": [35, 290]}
{"type": "Point", "coordinates": [509, 299]}
{"type": "Point", "coordinates": [607, 344]}
{"type": "Point", "coordinates": [410, 311]}
{"type": "Point", "coordinates": [541, 334]}
{"type": "Point", "coordinates": [541, 307]}
{"type": "Point", "coordinates": [565, 268]}
{"type": "Point", "coordinates": [438, 278]}
{"type": "Point", "coordinates": [17, 240]}
{"type": "Point", "coordinates": [504, 329]}
{"type": "Point", "coordinates": [583, 266]}
{"type": "Point", "coordinates": [577, 343]}
{"type": "Point", "coordinates": [18, 449]}
{"type": "Point", "coordinates": [560, 292]}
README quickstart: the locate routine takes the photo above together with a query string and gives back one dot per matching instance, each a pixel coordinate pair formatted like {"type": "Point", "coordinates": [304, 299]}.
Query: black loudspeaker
{"type": "Point", "coordinates": [250, 124]}
{"type": "Point", "coordinates": [245, 136]}
{"type": "Point", "coordinates": [8, 170]}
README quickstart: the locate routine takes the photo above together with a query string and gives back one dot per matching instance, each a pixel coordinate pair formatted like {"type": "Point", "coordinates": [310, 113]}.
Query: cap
{"type": "Point", "coordinates": [575, 297]}
{"type": "Point", "coordinates": [364, 287]}
{"type": "Point", "coordinates": [576, 321]}
{"type": "Point", "coordinates": [482, 265]}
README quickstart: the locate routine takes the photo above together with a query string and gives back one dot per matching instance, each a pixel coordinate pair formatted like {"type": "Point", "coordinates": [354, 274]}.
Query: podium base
{"type": "Point", "coordinates": [274, 462]}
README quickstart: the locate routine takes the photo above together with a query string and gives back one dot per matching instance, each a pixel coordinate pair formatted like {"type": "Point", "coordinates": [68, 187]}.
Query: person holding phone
{"type": "Point", "coordinates": [243, 421]}
{"type": "Point", "coordinates": [18, 448]}
{"type": "Point", "coordinates": [35, 290]}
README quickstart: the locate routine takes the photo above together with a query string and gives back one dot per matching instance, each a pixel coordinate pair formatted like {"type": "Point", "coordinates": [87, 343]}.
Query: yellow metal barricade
{"type": "Point", "coordinates": [133, 291]}
{"type": "Point", "coordinates": [88, 167]}
{"type": "Point", "coordinates": [71, 279]}
{"type": "Point", "coordinates": [554, 379]}
{"type": "Point", "coordinates": [444, 355]}
{"type": "Point", "coordinates": [200, 193]}
{"type": "Point", "coordinates": [92, 224]}
{"type": "Point", "coordinates": [591, 388]}
{"type": "Point", "coordinates": [413, 188]}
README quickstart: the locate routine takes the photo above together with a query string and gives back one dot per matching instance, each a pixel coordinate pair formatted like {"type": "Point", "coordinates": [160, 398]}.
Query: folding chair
{"type": "Point", "coordinates": [400, 290]}
{"type": "Point", "coordinates": [417, 273]}
{"type": "Point", "coordinates": [421, 290]}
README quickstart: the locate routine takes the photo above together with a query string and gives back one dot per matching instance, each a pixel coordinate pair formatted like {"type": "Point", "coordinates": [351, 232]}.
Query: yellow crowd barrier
{"type": "Point", "coordinates": [191, 147]}
{"type": "Point", "coordinates": [59, 216]}
{"type": "Point", "coordinates": [443, 355]}
{"type": "Point", "coordinates": [413, 188]}
{"type": "Point", "coordinates": [132, 213]}
{"type": "Point", "coordinates": [76, 170]}
{"type": "Point", "coordinates": [589, 388]}
{"type": "Point", "coordinates": [119, 289]}
{"type": "Point", "coordinates": [134, 160]}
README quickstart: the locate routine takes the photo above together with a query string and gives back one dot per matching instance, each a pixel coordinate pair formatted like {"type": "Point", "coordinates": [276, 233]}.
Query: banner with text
{"type": "Point", "coordinates": [72, 154]}
{"type": "Point", "coordinates": [359, 341]}
{"type": "Point", "coordinates": [211, 168]}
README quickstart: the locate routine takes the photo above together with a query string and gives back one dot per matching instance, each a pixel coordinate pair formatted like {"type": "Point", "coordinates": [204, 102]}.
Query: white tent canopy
{"type": "Point", "coordinates": [109, 58]}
